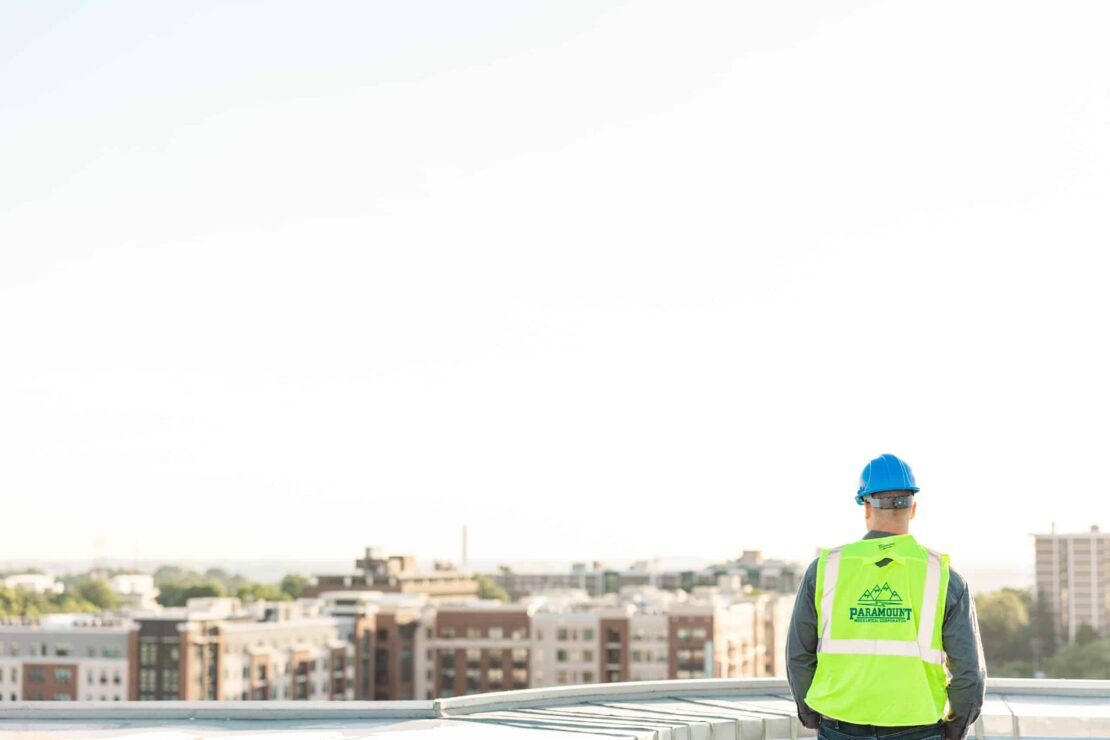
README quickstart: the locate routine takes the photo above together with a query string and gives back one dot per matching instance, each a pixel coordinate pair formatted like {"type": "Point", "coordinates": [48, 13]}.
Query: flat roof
{"type": "Point", "coordinates": [704, 709]}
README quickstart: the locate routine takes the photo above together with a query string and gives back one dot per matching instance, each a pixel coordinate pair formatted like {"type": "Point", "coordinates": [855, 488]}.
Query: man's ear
{"type": "Point", "coordinates": [913, 510]}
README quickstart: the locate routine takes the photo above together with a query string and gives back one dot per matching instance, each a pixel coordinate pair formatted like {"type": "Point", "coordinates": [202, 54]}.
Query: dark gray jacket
{"type": "Point", "coordinates": [959, 635]}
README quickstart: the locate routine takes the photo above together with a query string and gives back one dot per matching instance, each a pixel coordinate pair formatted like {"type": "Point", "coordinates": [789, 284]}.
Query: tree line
{"type": "Point", "coordinates": [89, 593]}
{"type": "Point", "coordinates": [1019, 640]}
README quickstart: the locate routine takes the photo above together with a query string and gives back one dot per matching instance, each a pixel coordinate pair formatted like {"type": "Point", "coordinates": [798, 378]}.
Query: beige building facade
{"type": "Point", "coordinates": [1073, 581]}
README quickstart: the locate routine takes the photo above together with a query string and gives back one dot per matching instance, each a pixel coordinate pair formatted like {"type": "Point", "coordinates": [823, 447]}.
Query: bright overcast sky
{"type": "Point", "coordinates": [608, 280]}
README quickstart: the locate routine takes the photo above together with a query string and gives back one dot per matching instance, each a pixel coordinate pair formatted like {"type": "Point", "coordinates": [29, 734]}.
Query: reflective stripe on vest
{"type": "Point", "coordinates": [923, 648]}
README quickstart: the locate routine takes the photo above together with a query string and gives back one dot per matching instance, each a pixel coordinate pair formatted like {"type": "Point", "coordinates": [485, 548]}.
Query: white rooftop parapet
{"type": "Point", "coordinates": [706, 709]}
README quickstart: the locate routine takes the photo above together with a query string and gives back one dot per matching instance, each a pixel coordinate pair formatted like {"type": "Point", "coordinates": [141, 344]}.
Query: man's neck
{"type": "Point", "coordinates": [875, 533]}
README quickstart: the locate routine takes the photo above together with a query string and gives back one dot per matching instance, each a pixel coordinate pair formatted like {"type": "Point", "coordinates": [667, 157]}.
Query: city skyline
{"type": "Point", "coordinates": [590, 278]}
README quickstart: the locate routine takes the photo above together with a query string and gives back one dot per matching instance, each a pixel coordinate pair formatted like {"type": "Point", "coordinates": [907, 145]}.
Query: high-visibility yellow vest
{"type": "Point", "coordinates": [879, 655]}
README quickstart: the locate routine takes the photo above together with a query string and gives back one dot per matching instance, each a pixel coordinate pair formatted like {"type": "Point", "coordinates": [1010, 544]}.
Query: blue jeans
{"type": "Point", "coordinates": [831, 729]}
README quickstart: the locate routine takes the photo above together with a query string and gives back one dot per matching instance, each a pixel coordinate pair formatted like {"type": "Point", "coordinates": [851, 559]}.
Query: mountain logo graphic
{"type": "Point", "coordinates": [880, 596]}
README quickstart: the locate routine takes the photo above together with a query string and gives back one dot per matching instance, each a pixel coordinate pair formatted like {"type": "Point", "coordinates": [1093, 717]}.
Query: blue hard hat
{"type": "Point", "coordinates": [885, 473]}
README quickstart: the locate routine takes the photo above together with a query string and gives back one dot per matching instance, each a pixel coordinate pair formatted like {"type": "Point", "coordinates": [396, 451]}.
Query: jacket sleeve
{"type": "Point", "coordinates": [801, 646]}
{"type": "Point", "coordinates": [960, 638]}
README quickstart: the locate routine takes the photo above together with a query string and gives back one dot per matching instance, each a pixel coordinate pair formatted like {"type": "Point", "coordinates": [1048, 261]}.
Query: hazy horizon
{"type": "Point", "coordinates": [981, 577]}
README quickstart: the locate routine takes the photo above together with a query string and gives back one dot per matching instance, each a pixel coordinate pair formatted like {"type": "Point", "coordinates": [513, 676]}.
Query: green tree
{"type": "Point", "coordinates": [249, 592]}
{"type": "Point", "coordinates": [72, 603]}
{"type": "Point", "coordinates": [1005, 627]}
{"type": "Point", "coordinates": [1090, 660]}
{"type": "Point", "coordinates": [487, 589]}
{"type": "Point", "coordinates": [99, 594]}
{"type": "Point", "coordinates": [231, 581]}
{"type": "Point", "coordinates": [171, 574]}
{"type": "Point", "coordinates": [1086, 633]}
{"type": "Point", "coordinates": [205, 590]}
{"type": "Point", "coordinates": [294, 584]}
{"type": "Point", "coordinates": [177, 594]}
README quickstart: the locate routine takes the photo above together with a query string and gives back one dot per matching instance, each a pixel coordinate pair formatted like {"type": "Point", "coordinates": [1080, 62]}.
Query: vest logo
{"type": "Point", "coordinates": [880, 604]}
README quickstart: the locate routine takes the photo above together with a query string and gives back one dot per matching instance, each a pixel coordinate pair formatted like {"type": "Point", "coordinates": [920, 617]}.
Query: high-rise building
{"type": "Point", "coordinates": [1073, 581]}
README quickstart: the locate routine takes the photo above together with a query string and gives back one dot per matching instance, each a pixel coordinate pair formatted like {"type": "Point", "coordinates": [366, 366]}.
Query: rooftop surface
{"type": "Point", "coordinates": [713, 709]}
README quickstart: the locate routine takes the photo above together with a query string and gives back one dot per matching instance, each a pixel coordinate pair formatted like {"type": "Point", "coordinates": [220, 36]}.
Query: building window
{"type": "Point", "coordinates": [473, 633]}
{"type": "Point", "coordinates": [62, 649]}
{"type": "Point", "coordinates": [698, 633]}
{"type": "Point", "coordinates": [116, 678]}
{"type": "Point", "coordinates": [447, 632]}
{"type": "Point", "coordinates": [560, 656]}
{"type": "Point", "coordinates": [61, 697]}
{"type": "Point", "coordinates": [35, 675]}
{"type": "Point", "coordinates": [520, 633]}
{"type": "Point", "coordinates": [496, 633]}
{"type": "Point", "coordinates": [682, 633]}
{"type": "Point", "coordinates": [562, 633]}
{"type": "Point", "coordinates": [587, 676]}
{"type": "Point", "coordinates": [62, 675]}
{"type": "Point", "coordinates": [587, 634]}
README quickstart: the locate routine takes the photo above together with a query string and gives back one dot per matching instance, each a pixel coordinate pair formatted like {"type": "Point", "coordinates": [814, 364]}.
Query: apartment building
{"type": "Point", "coordinates": [638, 636]}
{"type": "Point", "coordinates": [1073, 581]}
{"type": "Point", "coordinates": [475, 647]}
{"type": "Point", "coordinates": [66, 657]}
{"type": "Point", "coordinates": [213, 649]}
{"type": "Point", "coordinates": [178, 651]}
{"type": "Point", "coordinates": [565, 648]}
{"type": "Point", "coordinates": [376, 571]}
{"type": "Point", "coordinates": [388, 647]}
{"type": "Point", "coordinates": [297, 658]}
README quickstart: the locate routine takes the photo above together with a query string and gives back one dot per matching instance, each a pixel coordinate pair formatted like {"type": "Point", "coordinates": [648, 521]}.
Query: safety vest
{"type": "Point", "coordinates": [879, 654]}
